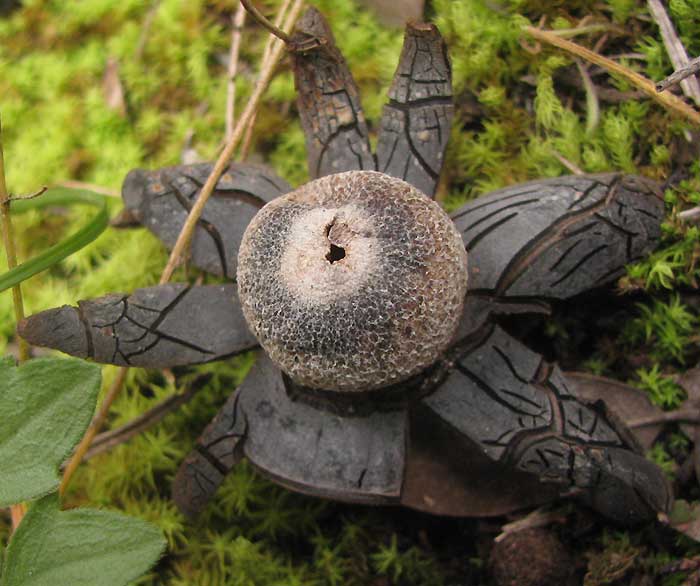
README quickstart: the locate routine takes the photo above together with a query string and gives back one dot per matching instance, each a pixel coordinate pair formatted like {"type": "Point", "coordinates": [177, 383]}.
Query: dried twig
{"type": "Point", "coordinates": [674, 48]}
{"type": "Point", "coordinates": [691, 215]}
{"type": "Point", "coordinates": [95, 426]}
{"type": "Point", "coordinates": [248, 136]}
{"type": "Point", "coordinates": [247, 140]}
{"type": "Point", "coordinates": [222, 162]}
{"type": "Point", "coordinates": [647, 86]}
{"type": "Point", "coordinates": [692, 68]}
{"type": "Point", "coordinates": [262, 19]}
{"type": "Point", "coordinates": [186, 234]}
{"type": "Point", "coordinates": [237, 22]}
{"type": "Point", "coordinates": [570, 165]}
{"type": "Point", "coordinates": [34, 195]}
{"type": "Point", "coordinates": [537, 518]}
{"type": "Point", "coordinates": [109, 439]}
{"type": "Point", "coordinates": [679, 416]}
{"type": "Point", "coordinates": [17, 511]}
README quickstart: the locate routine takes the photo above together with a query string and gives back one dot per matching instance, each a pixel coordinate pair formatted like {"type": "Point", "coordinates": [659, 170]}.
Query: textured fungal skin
{"type": "Point", "coordinates": [352, 282]}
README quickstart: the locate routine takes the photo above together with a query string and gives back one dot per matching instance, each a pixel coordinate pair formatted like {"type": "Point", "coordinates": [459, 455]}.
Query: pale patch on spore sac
{"type": "Point", "coordinates": [381, 309]}
{"type": "Point", "coordinates": [329, 254]}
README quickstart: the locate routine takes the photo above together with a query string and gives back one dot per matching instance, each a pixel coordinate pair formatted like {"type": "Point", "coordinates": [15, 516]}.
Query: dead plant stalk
{"type": "Point", "coordinates": [183, 240]}
{"type": "Point", "coordinates": [17, 511]}
{"type": "Point", "coordinates": [667, 100]}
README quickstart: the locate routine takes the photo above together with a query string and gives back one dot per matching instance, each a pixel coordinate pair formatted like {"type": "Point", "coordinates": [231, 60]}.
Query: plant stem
{"type": "Point", "coordinates": [95, 426]}
{"type": "Point", "coordinates": [186, 235]}
{"type": "Point", "coordinates": [667, 100]}
{"type": "Point", "coordinates": [237, 22]}
{"type": "Point", "coordinates": [10, 251]}
{"type": "Point", "coordinates": [222, 162]}
{"type": "Point", "coordinates": [257, 15]}
{"type": "Point", "coordinates": [17, 511]}
{"type": "Point", "coordinates": [109, 439]}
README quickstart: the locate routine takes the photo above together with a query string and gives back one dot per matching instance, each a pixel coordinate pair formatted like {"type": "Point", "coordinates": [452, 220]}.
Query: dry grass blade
{"type": "Point", "coordinates": [237, 23]}
{"type": "Point", "coordinates": [95, 426]}
{"type": "Point", "coordinates": [187, 231]}
{"type": "Point", "coordinates": [692, 68]}
{"type": "Point", "coordinates": [18, 510]}
{"type": "Point", "coordinates": [674, 47]}
{"type": "Point", "coordinates": [90, 187]}
{"type": "Point", "coordinates": [223, 160]}
{"type": "Point", "coordinates": [667, 100]}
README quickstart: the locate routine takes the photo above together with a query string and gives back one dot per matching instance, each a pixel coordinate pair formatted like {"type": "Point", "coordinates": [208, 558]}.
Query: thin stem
{"type": "Point", "coordinates": [247, 140]}
{"type": "Point", "coordinates": [95, 426]}
{"type": "Point", "coordinates": [679, 416]}
{"type": "Point", "coordinates": [279, 20]}
{"type": "Point", "coordinates": [674, 47]}
{"type": "Point", "coordinates": [691, 68]}
{"type": "Point", "coordinates": [222, 162]}
{"type": "Point", "coordinates": [184, 238]}
{"type": "Point", "coordinates": [262, 19]}
{"type": "Point", "coordinates": [691, 215]}
{"type": "Point", "coordinates": [10, 250]}
{"type": "Point", "coordinates": [237, 23]}
{"type": "Point", "coordinates": [114, 437]}
{"type": "Point", "coordinates": [17, 511]}
{"type": "Point", "coordinates": [267, 52]}
{"type": "Point", "coordinates": [646, 85]}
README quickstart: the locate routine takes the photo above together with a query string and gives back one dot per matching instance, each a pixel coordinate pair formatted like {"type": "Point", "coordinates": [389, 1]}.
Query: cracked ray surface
{"type": "Point", "coordinates": [217, 450]}
{"type": "Point", "coordinates": [558, 237]}
{"type": "Point", "coordinates": [415, 124]}
{"type": "Point", "coordinates": [161, 326]}
{"type": "Point", "coordinates": [356, 459]}
{"type": "Point", "coordinates": [162, 200]}
{"type": "Point", "coordinates": [522, 412]}
{"type": "Point", "coordinates": [329, 103]}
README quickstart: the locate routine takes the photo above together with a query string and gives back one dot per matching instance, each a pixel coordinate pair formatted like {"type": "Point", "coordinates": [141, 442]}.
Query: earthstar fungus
{"type": "Point", "coordinates": [471, 422]}
{"type": "Point", "coordinates": [352, 282]}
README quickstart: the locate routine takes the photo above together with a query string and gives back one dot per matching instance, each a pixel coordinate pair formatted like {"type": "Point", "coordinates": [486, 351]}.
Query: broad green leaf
{"type": "Point", "coordinates": [45, 404]}
{"type": "Point", "coordinates": [80, 547]}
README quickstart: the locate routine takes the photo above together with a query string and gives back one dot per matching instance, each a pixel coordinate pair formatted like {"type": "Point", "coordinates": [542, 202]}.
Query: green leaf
{"type": "Point", "coordinates": [71, 244]}
{"type": "Point", "coordinates": [80, 547]}
{"type": "Point", "coordinates": [46, 405]}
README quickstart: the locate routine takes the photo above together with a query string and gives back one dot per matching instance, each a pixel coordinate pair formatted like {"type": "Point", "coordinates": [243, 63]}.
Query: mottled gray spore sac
{"type": "Point", "coordinates": [376, 316]}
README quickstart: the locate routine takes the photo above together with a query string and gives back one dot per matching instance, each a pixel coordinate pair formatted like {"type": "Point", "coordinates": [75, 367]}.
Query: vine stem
{"type": "Point", "coordinates": [666, 99]}
{"type": "Point", "coordinates": [262, 19]}
{"type": "Point", "coordinates": [248, 135]}
{"type": "Point", "coordinates": [222, 162]}
{"type": "Point", "coordinates": [17, 511]}
{"type": "Point", "coordinates": [237, 22]}
{"type": "Point", "coordinates": [186, 233]}
{"type": "Point", "coordinates": [10, 250]}
{"type": "Point", "coordinates": [95, 425]}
